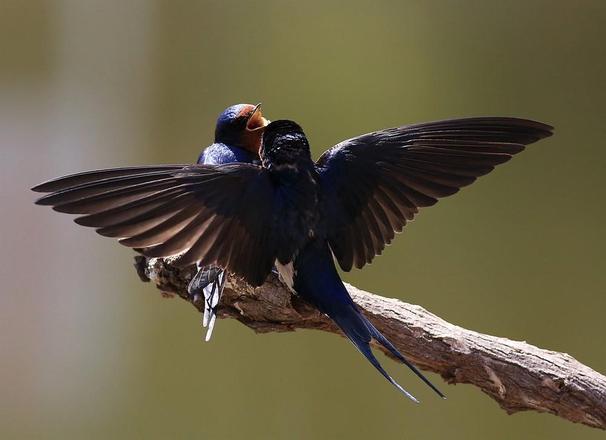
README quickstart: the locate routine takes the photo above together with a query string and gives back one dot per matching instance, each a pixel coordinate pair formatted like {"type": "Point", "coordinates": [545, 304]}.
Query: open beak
{"type": "Point", "coordinates": [256, 121]}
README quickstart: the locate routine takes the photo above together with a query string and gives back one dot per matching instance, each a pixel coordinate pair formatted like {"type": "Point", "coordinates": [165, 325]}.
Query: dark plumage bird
{"type": "Point", "coordinates": [238, 136]}
{"type": "Point", "coordinates": [293, 213]}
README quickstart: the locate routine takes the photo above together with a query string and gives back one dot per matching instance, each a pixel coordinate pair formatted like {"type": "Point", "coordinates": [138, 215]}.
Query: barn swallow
{"type": "Point", "coordinates": [238, 136]}
{"type": "Point", "coordinates": [293, 213]}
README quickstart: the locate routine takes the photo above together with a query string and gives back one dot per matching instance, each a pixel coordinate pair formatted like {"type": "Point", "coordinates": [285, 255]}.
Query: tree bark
{"type": "Point", "coordinates": [519, 376]}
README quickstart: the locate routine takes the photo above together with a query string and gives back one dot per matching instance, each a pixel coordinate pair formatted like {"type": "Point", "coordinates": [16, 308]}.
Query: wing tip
{"type": "Point", "coordinates": [43, 187]}
{"type": "Point", "coordinates": [41, 201]}
{"type": "Point", "coordinates": [83, 221]}
{"type": "Point", "coordinates": [67, 208]}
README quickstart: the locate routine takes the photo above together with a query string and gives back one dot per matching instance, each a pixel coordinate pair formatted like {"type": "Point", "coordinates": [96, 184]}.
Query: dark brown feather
{"type": "Point", "coordinates": [87, 177]}
{"type": "Point", "coordinates": [205, 212]}
{"type": "Point", "coordinates": [179, 224]}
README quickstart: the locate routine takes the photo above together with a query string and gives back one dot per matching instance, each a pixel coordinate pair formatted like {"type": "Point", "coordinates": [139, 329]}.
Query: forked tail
{"type": "Point", "coordinates": [360, 331]}
{"type": "Point", "coordinates": [318, 282]}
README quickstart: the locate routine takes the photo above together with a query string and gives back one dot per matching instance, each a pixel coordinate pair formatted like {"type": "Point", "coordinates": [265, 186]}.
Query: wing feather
{"type": "Point", "coordinates": [378, 181]}
{"type": "Point", "coordinates": [208, 214]}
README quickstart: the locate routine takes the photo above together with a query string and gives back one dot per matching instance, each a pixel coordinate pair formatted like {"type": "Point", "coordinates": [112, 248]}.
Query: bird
{"type": "Point", "coordinates": [301, 216]}
{"type": "Point", "coordinates": [238, 134]}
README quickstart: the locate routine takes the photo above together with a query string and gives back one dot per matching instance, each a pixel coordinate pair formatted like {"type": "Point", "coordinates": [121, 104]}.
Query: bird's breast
{"type": "Point", "coordinates": [296, 214]}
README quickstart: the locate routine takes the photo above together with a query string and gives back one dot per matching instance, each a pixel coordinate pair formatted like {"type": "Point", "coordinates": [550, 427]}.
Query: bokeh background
{"type": "Point", "coordinates": [88, 351]}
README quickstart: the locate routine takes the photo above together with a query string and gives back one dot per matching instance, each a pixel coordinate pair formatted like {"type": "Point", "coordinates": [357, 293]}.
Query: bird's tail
{"type": "Point", "coordinates": [318, 282]}
{"type": "Point", "coordinates": [210, 282]}
{"type": "Point", "coordinates": [360, 331]}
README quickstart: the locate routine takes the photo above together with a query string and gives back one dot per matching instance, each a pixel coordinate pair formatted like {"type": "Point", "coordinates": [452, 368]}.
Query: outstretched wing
{"type": "Point", "coordinates": [378, 181]}
{"type": "Point", "coordinates": [209, 214]}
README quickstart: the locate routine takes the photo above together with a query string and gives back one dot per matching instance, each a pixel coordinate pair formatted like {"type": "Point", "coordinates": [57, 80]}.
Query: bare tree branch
{"type": "Point", "coordinates": [519, 376]}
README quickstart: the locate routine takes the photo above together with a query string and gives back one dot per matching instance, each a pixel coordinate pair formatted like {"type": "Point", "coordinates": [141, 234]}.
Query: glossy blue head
{"type": "Point", "coordinates": [242, 126]}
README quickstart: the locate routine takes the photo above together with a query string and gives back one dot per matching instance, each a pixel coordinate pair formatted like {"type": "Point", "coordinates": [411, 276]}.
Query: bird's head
{"type": "Point", "coordinates": [242, 126]}
{"type": "Point", "coordinates": [284, 146]}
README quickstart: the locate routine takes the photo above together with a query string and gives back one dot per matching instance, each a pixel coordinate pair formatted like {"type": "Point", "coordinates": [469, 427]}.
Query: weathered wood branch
{"type": "Point", "coordinates": [519, 376]}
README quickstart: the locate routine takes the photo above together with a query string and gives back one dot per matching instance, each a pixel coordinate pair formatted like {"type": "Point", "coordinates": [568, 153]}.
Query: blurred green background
{"type": "Point", "coordinates": [87, 351]}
